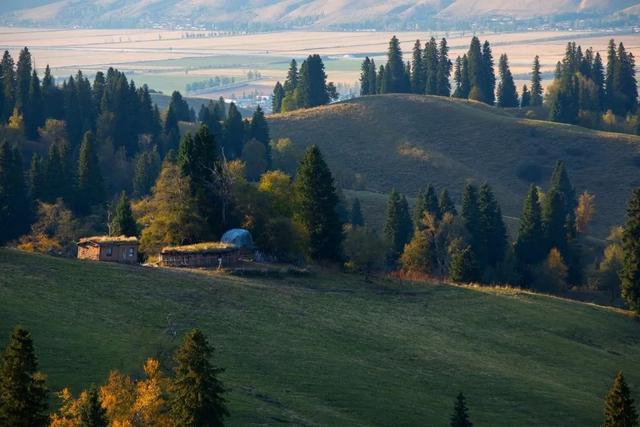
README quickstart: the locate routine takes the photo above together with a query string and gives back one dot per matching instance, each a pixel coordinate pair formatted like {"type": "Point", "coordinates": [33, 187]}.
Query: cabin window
{"type": "Point", "coordinates": [130, 252]}
{"type": "Point", "coordinates": [109, 251]}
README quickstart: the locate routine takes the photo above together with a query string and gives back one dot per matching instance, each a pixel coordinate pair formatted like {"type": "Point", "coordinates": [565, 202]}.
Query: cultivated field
{"type": "Point", "coordinates": [168, 60]}
{"type": "Point", "coordinates": [328, 349]}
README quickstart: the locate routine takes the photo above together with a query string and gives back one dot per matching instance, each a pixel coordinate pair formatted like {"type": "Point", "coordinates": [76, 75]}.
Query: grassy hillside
{"type": "Point", "coordinates": [407, 141]}
{"type": "Point", "coordinates": [330, 349]}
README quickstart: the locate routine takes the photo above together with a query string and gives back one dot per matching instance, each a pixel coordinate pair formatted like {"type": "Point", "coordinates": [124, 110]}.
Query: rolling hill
{"type": "Point", "coordinates": [298, 13]}
{"type": "Point", "coordinates": [408, 141]}
{"type": "Point", "coordinates": [328, 349]}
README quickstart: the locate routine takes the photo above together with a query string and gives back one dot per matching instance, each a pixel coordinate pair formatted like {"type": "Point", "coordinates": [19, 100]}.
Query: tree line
{"type": "Point", "coordinates": [193, 395]}
{"type": "Point", "coordinates": [583, 91]}
{"type": "Point", "coordinates": [303, 88]}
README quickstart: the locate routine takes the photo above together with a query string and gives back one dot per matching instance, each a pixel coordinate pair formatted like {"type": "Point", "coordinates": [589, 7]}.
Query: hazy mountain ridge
{"type": "Point", "coordinates": [308, 13]}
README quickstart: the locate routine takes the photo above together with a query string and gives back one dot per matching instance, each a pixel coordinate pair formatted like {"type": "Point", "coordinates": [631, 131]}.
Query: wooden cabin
{"type": "Point", "coordinates": [209, 254]}
{"type": "Point", "coordinates": [109, 249]}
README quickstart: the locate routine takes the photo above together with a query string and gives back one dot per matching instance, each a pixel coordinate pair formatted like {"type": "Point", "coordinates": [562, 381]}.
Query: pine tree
{"type": "Point", "coordinates": [457, 78]}
{"type": "Point", "coordinates": [365, 80]}
{"type": "Point", "coordinates": [507, 95]}
{"type": "Point", "coordinates": [536, 83]}
{"type": "Point", "coordinates": [357, 219]}
{"type": "Point", "coordinates": [91, 412]}
{"type": "Point", "coordinates": [445, 203]}
{"type": "Point", "coordinates": [398, 227]}
{"type": "Point", "coordinates": [260, 132]}
{"type": "Point", "coordinates": [179, 107]}
{"type": "Point", "coordinates": [90, 185]}
{"type": "Point", "coordinates": [431, 202]}
{"type": "Point", "coordinates": [560, 181]}
{"type": "Point", "coordinates": [630, 273]}
{"type": "Point", "coordinates": [460, 417]}
{"type": "Point", "coordinates": [316, 203]}
{"type": "Point", "coordinates": [278, 96]}
{"type": "Point", "coordinates": [419, 209]}
{"type": "Point", "coordinates": [619, 408]}
{"type": "Point", "coordinates": [15, 212]}
{"type": "Point", "coordinates": [417, 76]}
{"type": "Point", "coordinates": [625, 82]}
{"type": "Point", "coordinates": [312, 88]}
{"type": "Point", "coordinates": [123, 223]}
{"type": "Point", "coordinates": [23, 393]}
{"type": "Point", "coordinates": [197, 393]}
{"type": "Point", "coordinates": [597, 72]}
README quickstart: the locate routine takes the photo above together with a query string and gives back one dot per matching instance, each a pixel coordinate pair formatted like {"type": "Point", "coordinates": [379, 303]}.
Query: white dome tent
{"type": "Point", "coordinates": [238, 237]}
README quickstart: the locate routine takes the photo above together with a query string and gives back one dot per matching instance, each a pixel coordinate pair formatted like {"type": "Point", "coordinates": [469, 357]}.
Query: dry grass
{"type": "Point", "coordinates": [108, 239]}
{"type": "Point", "coordinates": [200, 247]}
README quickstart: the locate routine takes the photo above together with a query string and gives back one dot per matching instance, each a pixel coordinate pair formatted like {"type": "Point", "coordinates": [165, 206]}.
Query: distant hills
{"type": "Point", "coordinates": [407, 141]}
{"type": "Point", "coordinates": [317, 14]}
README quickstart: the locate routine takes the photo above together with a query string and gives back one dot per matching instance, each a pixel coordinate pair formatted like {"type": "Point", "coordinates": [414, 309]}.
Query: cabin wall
{"type": "Point", "coordinates": [196, 260]}
{"type": "Point", "coordinates": [126, 254]}
{"type": "Point", "coordinates": [89, 252]}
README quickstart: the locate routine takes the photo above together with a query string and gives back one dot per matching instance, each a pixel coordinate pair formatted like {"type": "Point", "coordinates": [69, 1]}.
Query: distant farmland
{"type": "Point", "coordinates": [167, 60]}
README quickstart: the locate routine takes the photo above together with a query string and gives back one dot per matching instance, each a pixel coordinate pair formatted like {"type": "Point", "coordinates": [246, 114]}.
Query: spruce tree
{"type": "Point", "coordinates": [619, 408]}
{"type": "Point", "coordinates": [536, 83]}
{"type": "Point", "coordinates": [23, 393]}
{"type": "Point", "coordinates": [430, 66]}
{"type": "Point", "coordinates": [488, 74]}
{"type": "Point", "coordinates": [260, 132]}
{"type": "Point", "coordinates": [23, 80]}
{"type": "Point", "coordinates": [630, 273]}
{"type": "Point", "coordinates": [357, 219]}
{"type": "Point", "coordinates": [365, 80]}
{"type": "Point", "coordinates": [33, 111]}
{"type": "Point", "coordinates": [15, 212]}
{"type": "Point", "coordinates": [398, 227]}
{"type": "Point", "coordinates": [291, 82]}
{"type": "Point", "coordinates": [457, 78]}
{"type": "Point", "coordinates": [525, 99]}
{"type": "Point", "coordinates": [431, 202]}
{"type": "Point", "coordinates": [92, 414]}
{"type": "Point", "coordinates": [560, 181]}
{"type": "Point", "coordinates": [37, 178]}
{"type": "Point", "coordinates": [123, 223]}
{"type": "Point", "coordinates": [278, 96]}
{"type": "Point", "coordinates": [507, 95]}
{"type": "Point", "coordinates": [197, 393]}
{"type": "Point", "coordinates": [7, 73]}
{"type": "Point", "coordinates": [234, 134]}
{"type": "Point", "coordinates": [417, 76]}
{"type": "Point", "coordinates": [553, 222]}
{"type": "Point", "coordinates": [463, 267]}
{"type": "Point", "coordinates": [476, 71]}
{"type": "Point", "coordinates": [444, 70]}
{"type": "Point", "coordinates": [471, 218]}
{"type": "Point", "coordinates": [612, 66]}
{"type": "Point", "coordinates": [460, 416]}
{"type": "Point", "coordinates": [395, 69]}
{"type": "Point", "coordinates": [493, 230]}
{"type": "Point", "coordinates": [179, 107]}
{"type": "Point", "coordinates": [316, 203]}
{"type": "Point", "coordinates": [445, 203]}
{"type": "Point", "coordinates": [529, 247]}
{"type": "Point", "coordinates": [90, 185]}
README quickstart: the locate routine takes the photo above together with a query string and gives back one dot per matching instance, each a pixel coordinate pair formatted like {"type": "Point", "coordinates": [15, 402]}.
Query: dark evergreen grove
{"type": "Point", "coordinates": [305, 87]}
{"type": "Point", "coordinates": [583, 89]}
{"type": "Point", "coordinates": [398, 228]}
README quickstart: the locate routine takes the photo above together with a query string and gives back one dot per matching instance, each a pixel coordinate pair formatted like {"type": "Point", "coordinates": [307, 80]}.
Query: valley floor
{"type": "Point", "coordinates": [328, 349]}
